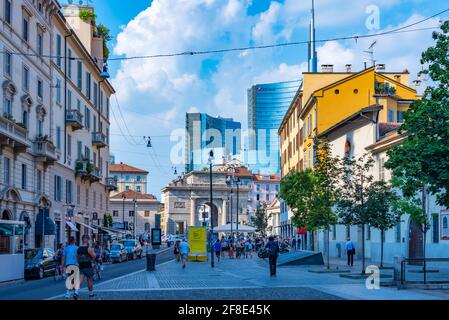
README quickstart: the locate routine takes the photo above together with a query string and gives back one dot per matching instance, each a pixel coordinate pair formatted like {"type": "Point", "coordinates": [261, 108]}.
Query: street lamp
{"type": "Point", "coordinates": [237, 182]}
{"type": "Point", "coordinates": [103, 75]}
{"type": "Point", "coordinates": [229, 183]}
{"type": "Point", "coordinates": [135, 219]}
{"type": "Point", "coordinates": [211, 157]}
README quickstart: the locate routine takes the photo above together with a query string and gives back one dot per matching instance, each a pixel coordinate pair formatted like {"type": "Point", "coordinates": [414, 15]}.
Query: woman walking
{"type": "Point", "coordinates": [231, 249]}
{"type": "Point", "coordinates": [176, 250]}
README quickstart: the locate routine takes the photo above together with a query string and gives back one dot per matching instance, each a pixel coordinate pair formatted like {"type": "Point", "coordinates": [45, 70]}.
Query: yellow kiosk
{"type": "Point", "coordinates": [197, 238]}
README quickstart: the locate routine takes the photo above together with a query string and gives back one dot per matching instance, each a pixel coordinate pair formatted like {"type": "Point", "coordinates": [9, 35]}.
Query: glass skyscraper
{"type": "Point", "coordinates": [204, 133]}
{"type": "Point", "coordinates": [267, 105]}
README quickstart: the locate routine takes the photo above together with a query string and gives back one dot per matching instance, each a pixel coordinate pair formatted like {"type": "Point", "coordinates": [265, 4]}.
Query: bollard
{"type": "Point", "coordinates": [151, 262]}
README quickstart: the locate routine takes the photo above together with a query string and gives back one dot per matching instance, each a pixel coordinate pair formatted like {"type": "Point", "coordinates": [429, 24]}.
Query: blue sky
{"type": "Point", "coordinates": [155, 94]}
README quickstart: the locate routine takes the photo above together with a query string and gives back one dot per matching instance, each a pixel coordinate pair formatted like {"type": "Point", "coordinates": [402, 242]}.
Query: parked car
{"type": "Point", "coordinates": [133, 249]}
{"type": "Point", "coordinates": [171, 239]}
{"type": "Point", "coordinates": [118, 253]}
{"type": "Point", "coordinates": [39, 262]}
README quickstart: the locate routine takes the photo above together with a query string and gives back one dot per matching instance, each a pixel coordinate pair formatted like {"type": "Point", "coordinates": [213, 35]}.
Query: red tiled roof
{"type": "Point", "coordinates": [267, 178]}
{"type": "Point", "coordinates": [130, 194]}
{"type": "Point", "coordinates": [123, 167]}
{"type": "Point", "coordinates": [242, 172]}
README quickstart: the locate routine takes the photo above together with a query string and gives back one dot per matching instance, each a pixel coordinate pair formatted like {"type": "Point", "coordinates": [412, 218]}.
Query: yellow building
{"type": "Point", "coordinates": [327, 98]}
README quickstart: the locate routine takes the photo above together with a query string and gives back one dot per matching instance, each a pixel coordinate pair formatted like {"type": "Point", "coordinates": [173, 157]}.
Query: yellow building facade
{"type": "Point", "coordinates": [325, 99]}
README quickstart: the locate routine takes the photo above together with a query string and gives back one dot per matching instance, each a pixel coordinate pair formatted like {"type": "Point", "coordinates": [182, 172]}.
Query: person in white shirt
{"type": "Point", "coordinates": [350, 251]}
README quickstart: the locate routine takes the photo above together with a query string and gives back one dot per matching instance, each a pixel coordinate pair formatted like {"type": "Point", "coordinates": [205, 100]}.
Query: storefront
{"type": "Point", "coordinates": [11, 250]}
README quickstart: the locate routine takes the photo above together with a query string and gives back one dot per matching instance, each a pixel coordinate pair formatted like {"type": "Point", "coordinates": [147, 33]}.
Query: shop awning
{"type": "Point", "coordinates": [72, 226]}
{"type": "Point", "coordinates": [103, 229]}
{"type": "Point", "coordinates": [87, 226]}
{"type": "Point", "coordinates": [44, 224]}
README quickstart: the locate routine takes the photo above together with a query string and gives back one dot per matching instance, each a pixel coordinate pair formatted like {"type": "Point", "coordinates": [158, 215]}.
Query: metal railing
{"type": "Point", "coordinates": [74, 116]}
{"type": "Point", "coordinates": [12, 129]}
{"type": "Point", "coordinates": [99, 138]}
{"type": "Point", "coordinates": [44, 149]}
{"type": "Point", "coordinates": [111, 182]}
{"type": "Point", "coordinates": [410, 267]}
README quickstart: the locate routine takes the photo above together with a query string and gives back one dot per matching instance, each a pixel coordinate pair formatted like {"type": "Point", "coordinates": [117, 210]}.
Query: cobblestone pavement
{"type": "Point", "coordinates": [243, 279]}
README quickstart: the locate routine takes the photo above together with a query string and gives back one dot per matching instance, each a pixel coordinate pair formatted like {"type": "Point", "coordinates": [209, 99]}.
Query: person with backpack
{"type": "Point", "coordinates": [217, 246]}
{"type": "Point", "coordinates": [86, 255]}
{"type": "Point", "coordinates": [273, 253]}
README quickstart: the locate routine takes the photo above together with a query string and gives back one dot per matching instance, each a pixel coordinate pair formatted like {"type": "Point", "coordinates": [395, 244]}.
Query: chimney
{"type": "Point", "coordinates": [348, 68]}
{"type": "Point", "coordinates": [380, 67]}
{"type": "Point", "coordinates": [327, 68]}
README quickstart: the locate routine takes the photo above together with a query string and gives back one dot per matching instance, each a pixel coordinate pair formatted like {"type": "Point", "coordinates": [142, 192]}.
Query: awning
{"type": "Point", "coordinates": [44, 224]}
{"type": "Point", "coordinates": [87, 226]}
{"type": "Point", "coordinates": [103, 229]}
{"type": "Point", "coordinates": [227, 228]}
{"type": "Point", "coordinates": [72, 226]}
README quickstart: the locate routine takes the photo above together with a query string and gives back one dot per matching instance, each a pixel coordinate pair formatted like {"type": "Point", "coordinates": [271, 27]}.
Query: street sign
{"type": "Point", "coordinates": [156, 237]}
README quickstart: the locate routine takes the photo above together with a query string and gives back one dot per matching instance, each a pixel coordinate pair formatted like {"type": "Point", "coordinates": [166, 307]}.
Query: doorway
{"type": "Point", "coordinates": [415, 242]}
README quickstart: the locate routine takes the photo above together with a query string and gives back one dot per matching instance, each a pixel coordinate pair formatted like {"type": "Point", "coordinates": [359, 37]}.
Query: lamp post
{"type": "Point", "coordinates": [211, 157]}
{"type": "Point", "coordinates": [135, 219]}
{"type": "Point", "coordinates": [237, 182]}
{"type": "Point", "coordinates": [229, 182]}
{"type": "Point", "coordinates": [103, 75]}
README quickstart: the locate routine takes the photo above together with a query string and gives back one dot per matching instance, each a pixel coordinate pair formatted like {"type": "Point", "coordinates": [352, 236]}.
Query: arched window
{"type": "Point", "coordinates": [25, 119]}
{"type": "Point", "coordinates": [6, 215]}
{"type": "Point", "coordinates": [147, 227]}
{"type": "Point", "coordinates": [445, 222]}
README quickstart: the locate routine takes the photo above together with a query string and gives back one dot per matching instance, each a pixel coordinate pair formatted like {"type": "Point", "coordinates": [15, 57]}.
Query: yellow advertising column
{"type": "Point", "coordinates": [198, 243]}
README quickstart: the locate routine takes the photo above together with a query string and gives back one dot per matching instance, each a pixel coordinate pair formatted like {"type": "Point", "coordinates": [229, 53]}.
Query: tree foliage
{"type": "Point", "coordinates": [260, 220]}
{"type": "Point", "coordinates": [422, 160]}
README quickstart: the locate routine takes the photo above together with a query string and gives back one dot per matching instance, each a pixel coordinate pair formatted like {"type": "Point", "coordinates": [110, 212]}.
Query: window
{"type": "Point", "coordinates": [94, 199]}
{"type": "Point", "coordinates": [7, 106]}
{"type": "Point", "coordinates": [69, 99]}
{"type": "Point", "coordinates": [398, 233]}
{"type": "Point", "coordinates": [24, 176]}
{"type": "Point", "coordinates": [7, 63]}
{"type": "Point", "coordinates": [435, 228]}
{"type": "Point", "coordinates": [58, 50]}
{"type": "Point", "coordinates": [8, 11]}
{"type": "Point", "coordinates": [39, 181]}
{"type": "Point", "coordinates": [309, 125]}
{"type": "Point", "coordinates": [258, 197]}
{"type": "Point", "coordinates": [131, 213]}
{"type": "Point", "coordinates": [58, 188]}
{"type": "Point", "coordinates": [26, 78]}
{"type": "Point", "coordinates": [147, 213]}
{"type": "Point", "coordinates": [400, 116]}
{"type": "Point", "coordinates": [69, 63]}
{"type": "Point", "coordinates": [40, 89]}
{"type": "Point", "coordinates": [96, 95]}
{"type": "Point", "coordinates": [40, 127]}
{"type": "Point", "coordinates": [88, 84]}
{"type": "Point", "coordinates": [107, 107]}
{"type": "Point", "coordinates": [68, 191]}
{"type": "Point", "coordinates": [40, 42]}
{"type": "Point", "coordinates": [86, 152]}
{"type": "Point", "coordinates": [78, 195]}
{"type": "Point", "coordinates": [348, 231]}
{"type": "Point", "coordinates": [126, 178]}
{"type": "Point", "coordinates": [79, 150]}
{"type": "Point", "coordinates": [315, 118]}
{"type": "Point", "coordinates": [80, 75]}
{"type": "Point", "coordinates": [126, 188]}
{"type": "Point", "coordinates": [25, 118]}
{"type": "Point", "coordinates": [69, 145]}
{"type": "Point", "coordinates": [58, 138]}
{"type": "Point", "coordinates": [390, 115]}
{"type": "Point", "coordinates": [382, 169]}
{"type": "Point", "coordinates": [6, 171]}
{"type": "Point", "coordinates": [25, 29]}
{"type": "Point", "coordinates": [138, 178]}
{"type": "Point", "coordinates": [58, 91]}
{"type": "Point", "coordinates": [138, 189]}
{"type": "Point", "coordinates": [86, 117]}
{"type": "Point", "coordinates": [115, 213]}
{"type": "Point", "coordinates": [87, 197]}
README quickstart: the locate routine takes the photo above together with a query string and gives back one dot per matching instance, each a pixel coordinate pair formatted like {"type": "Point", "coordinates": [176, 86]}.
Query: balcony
{"type": "Point", "coordinates": [74, 119]}
{"type": "Point", "coordinates": [111, 184]}
{"type": "Point", "coordinates": [384, 89]}
{"type": "Point", "coordinates": [13, 134]}
{"type": "Point", "coordinates": [99, 139]}
{"type": "Point", "coordinates": [85, 169]}
{"type": "Point", "coordinates": [45, 151]}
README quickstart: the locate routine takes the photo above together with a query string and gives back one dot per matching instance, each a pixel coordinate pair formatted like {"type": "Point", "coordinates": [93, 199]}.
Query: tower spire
{"type": "Point", "coordinates": [312, 50]}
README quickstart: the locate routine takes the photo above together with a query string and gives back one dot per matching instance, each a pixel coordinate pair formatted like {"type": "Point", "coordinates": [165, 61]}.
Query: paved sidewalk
{"type": "Point", "coordinates": [244, 279]}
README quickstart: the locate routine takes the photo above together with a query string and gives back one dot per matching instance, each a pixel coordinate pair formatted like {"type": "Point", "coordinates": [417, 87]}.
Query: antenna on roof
{"type": "Point", "coordinates": [370, 51]}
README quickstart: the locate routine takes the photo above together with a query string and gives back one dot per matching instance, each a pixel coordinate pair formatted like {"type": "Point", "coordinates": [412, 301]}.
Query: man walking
{"type": "Point", "coordinates": [86, 255]}
{"type": "Point", "coordinates": [184, 251]}
{"type": "Point", "coordinates": [350, 251]}
{"type": "Point", "coordinates": [69, 258]}
{"type": "Point", "coordinates": [273, 252]}
{"type": "Point", "coordinates": [217, 246]}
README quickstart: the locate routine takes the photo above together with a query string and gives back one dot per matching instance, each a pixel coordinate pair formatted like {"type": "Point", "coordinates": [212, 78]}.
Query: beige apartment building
{"type": "Point", "coordinates": [128, 178]}
{"type": "Point", "coordinates": [54, 126]}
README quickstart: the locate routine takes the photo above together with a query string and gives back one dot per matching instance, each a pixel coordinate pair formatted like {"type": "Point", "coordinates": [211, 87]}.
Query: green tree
{"type": "Point", "coordinates": [421, 163]}
{"type": "Point", "coordinates": [354, 194]}
{"type": "Point", "coordinates": [105, 34]}
{"type": "Point", "coordinates": [260, 220]}
{"type": "Point", "coordinates": [382, 213]}
{"type": "Point", "coordinates": [107, 221]}
{"type": "Point", "coordinates": [327, 170]}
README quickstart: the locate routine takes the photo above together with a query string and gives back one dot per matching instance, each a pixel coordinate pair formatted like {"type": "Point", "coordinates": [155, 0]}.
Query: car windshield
{"type": "Point", "coordinates": [115, 247]}
{"type": "Point", "coordinates": [33, 254]}
{"type": "Point", "coordinates": [128, 243]}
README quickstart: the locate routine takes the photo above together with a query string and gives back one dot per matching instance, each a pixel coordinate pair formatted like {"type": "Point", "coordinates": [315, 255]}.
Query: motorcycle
{"type": "Point", "coordinates": [262, 253]}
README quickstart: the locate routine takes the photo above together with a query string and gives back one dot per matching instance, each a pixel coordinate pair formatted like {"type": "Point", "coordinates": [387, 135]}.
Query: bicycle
{"type": "Point", "coordinates": [98, 270]}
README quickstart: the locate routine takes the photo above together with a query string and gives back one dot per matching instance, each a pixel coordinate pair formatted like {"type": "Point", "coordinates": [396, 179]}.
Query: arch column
{"type": "Point", "coordinates": [192, 212]}
{"type": "Point", "coordinates": [224, 212]}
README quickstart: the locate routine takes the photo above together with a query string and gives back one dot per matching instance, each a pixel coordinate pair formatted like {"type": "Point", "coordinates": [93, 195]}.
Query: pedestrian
{"type": "Point", "coordinates": [350, 251]}
{"type": "Point", "coordinates": [217, 246]}
{"type": "Point", "coordinates": [250, 248]}
{"type": "Point", "coordinates": [184, 251]}
{"type": "Point", "coordinates": [231, 249]}
{"type": "Point", "coordinates": [69, 258]}
{"type": "Point", "coordinates": [273, 252]}
{"type": "Point", "coordinates": [176, 250]}
{"type": "Point", "coordinates": [294, 243]}
{"type": "Point", "coordinates": [224, 247]}
{"type": "Point", "coordinates": [86, 255]}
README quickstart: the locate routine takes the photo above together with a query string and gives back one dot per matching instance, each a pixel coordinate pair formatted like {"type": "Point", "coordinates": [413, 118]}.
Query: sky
{"type": "Point", "coordinates": [153, 95]}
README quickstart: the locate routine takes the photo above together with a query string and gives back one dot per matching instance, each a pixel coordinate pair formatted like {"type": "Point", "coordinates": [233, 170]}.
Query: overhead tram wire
{"type": "Point", "coordinates": [123, 119]}
{"type": "Point", "coordinates": [191, 53]}
{"type": "Point", "coordinates": [119, 127]}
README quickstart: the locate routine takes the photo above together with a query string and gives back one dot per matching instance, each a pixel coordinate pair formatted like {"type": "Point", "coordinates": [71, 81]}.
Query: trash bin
{"type": "Point", "coordinates": [151, 262]}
